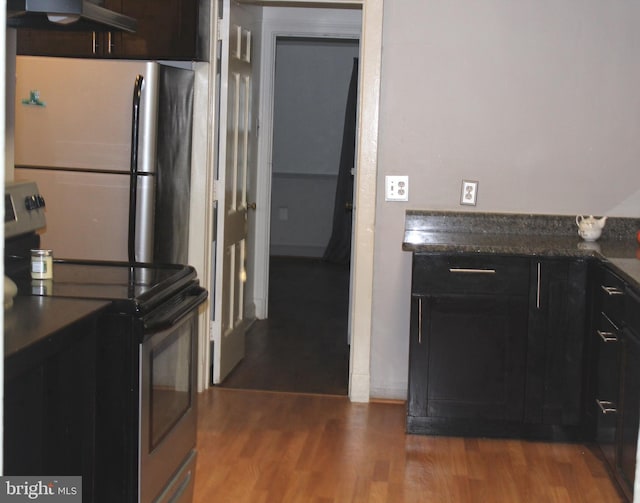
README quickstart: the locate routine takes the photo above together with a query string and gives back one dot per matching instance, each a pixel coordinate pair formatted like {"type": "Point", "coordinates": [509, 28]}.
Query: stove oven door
{"type": "Point", "coordinates": [168, 404]}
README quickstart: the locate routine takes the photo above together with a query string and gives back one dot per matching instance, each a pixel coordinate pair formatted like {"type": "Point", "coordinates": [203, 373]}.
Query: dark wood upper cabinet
{"type": "Point", "coordinates": [166, 29]}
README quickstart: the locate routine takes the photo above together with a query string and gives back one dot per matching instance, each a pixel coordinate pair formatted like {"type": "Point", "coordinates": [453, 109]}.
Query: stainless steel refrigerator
{"type": "Point", "coordinates": [109, 145]}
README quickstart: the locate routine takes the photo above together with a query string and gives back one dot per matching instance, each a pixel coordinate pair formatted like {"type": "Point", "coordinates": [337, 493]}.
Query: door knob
{"type": "Point", "coordinates": [348, 206]}
{"type": "Point", "coordinates": [251, 206]}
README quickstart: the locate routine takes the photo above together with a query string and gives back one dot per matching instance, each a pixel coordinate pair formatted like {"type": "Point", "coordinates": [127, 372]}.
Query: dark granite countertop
{"type": "Point", "coordinates": [35, 327]}
{"type": "Point", "coordinates": [522, 234]}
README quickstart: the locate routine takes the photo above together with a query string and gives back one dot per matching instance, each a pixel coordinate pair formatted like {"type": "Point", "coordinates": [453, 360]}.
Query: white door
{"type": "Point", "coordinates": [234, 163]}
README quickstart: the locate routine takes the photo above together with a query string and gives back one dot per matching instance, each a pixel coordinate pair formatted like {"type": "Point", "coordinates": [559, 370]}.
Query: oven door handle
{"type": "Point", "coordinates": [166, 317]}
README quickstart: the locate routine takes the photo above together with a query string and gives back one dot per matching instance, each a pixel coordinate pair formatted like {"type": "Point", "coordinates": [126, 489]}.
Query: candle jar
{"type": "Point", "coordinates": [41, 264]}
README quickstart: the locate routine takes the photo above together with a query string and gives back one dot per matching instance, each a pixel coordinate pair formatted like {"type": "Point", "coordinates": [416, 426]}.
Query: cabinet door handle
{"type": "Point", "coordinates": [420, 320]}
{"type": "Point", "coordinates": [612, 290]}
{"type": "Point", "coordinates": [606, 407]}
{"type": "Point", "coordinates": [607, 336]}
{"type": "Point", "coordinates": [471, 271]}
{"type": "Point", "coordinates": [94, 42]}
{"type": "Point", "coordinates": [109, 43]}
{"type": "Point", "coordinates": [538, 286]}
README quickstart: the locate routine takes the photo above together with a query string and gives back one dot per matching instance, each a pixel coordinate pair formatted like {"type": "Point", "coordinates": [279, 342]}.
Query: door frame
{"type": "Point", "coordinates": [369, 32]}
{"type": "Point", "coordinates": [361, 308]}
{"type": "Point", "coordinates": [365, 184]}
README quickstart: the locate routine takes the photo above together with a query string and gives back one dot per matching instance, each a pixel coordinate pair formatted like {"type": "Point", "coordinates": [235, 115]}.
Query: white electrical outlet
{"type": "Point", "coordinates": [469, 192]}
{"type": "Point", "coordinates": [396, 188]}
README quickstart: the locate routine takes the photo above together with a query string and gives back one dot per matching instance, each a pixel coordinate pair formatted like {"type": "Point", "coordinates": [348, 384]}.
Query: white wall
{"type": "Point", "coordinates": [310, 95]}
{"type": "Point", "coordinates": [537, 100]}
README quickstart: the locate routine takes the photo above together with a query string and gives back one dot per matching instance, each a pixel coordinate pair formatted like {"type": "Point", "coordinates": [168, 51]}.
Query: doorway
{"type": "Point", "coordinates": [346, 18]}
{"type": "Point", "coordinates": [303, 344]}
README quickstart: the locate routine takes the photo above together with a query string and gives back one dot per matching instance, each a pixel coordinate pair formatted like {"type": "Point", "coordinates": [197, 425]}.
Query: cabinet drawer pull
{"type": "Point", "coordinates": [606, 407]}
{"type": "Point", "coordinates": [472, 271]}
{"type": "Point", "coordinates": [612, 290]}
{"type": "Point", "coordinates": [607, 336]}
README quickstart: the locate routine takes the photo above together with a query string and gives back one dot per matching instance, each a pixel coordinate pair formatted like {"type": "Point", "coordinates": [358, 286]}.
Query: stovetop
{"type": "Point", "coordinates": [133, 288]}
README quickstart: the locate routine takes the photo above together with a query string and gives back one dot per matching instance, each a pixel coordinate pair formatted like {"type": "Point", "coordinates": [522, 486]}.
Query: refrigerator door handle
{"type": "Point", "coordinates": [133, 177]}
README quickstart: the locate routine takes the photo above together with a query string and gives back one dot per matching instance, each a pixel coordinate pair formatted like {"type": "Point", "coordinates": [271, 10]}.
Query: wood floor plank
{"type": "Point", "coordinates": [302, 346]}
{"type": "Point", "coordinates": [264, 447]}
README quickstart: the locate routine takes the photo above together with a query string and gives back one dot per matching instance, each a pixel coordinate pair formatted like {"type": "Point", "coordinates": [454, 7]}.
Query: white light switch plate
{"type": "Point", "coordinates": [396, 188]}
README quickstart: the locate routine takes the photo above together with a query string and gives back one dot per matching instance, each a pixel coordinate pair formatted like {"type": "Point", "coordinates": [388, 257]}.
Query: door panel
{"type": "Point", "coordinates": [235, 127]}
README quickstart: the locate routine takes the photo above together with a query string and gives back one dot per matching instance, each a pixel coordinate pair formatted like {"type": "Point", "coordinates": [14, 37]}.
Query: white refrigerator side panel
{"type": "Point", "coordinates": [80, 116]}
{"type": "Point", "coordinates": [96, 203]}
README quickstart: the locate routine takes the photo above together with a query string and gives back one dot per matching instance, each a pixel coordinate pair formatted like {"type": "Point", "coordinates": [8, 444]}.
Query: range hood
{"type": "Point", "coordinates": [69, 15]}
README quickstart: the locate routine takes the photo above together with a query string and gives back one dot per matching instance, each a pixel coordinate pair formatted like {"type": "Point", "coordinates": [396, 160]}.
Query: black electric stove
{"type": "Point", "coordinates": [146, 354]}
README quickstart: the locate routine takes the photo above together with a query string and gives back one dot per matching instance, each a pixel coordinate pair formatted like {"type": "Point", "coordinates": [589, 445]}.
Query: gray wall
{"type": "Point", "coordinates": [537, 100]}
{"type": "Point", "coordinates": [310, 95]}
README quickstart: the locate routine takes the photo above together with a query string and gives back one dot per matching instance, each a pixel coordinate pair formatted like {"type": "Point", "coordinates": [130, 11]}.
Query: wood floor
{"type": "Point", "coordinates": [273, 447]}
{"type": "Point", "coordinates": [303, 345]}
{"type": "Point", "coordinates": [260, 447]}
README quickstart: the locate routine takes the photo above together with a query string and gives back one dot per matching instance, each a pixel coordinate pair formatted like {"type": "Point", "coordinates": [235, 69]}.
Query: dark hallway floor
{"type": "Point", "coordinates": [302, 347]}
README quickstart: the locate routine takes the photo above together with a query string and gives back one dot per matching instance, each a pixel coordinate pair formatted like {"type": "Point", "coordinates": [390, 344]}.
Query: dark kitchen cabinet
{"type": "Point", "coordinates": [50, 414]}
{"type": "Point", "coordinates": [50, 390]}
{"type": "Point", "coordinates": [467, 344]}
{"type": "Point", "coordinates": [166, 29]}
{"type": "Point", "coordinates": [629, 409]}
{"type": "Point", "coordinates": [629, 394]}
{"type": "Point", "coordinates": [607, 312]}
{"type": "Point", "coordinates": [556, 335]}
{"type": "Point", "coordinates": [615, 379]}
{"type": "Point", "coordinates": [497, 346]}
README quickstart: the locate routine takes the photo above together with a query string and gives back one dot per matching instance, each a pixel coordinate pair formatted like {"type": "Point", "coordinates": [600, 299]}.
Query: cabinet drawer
{"type": "Point", "coordinates": [612, 297]}
{"type": "Point", "coordinates": [632, 311]}
{"type": "Point", "coordinates": [462, 274]}
{"type": "Point", "coordinates": [606, 330]}
{"type": "Point", "coordinates": [607, 343]}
